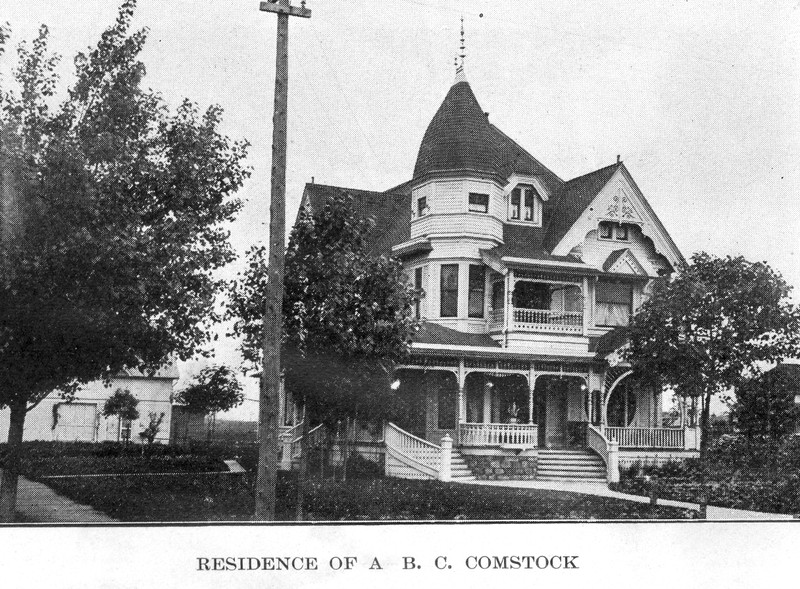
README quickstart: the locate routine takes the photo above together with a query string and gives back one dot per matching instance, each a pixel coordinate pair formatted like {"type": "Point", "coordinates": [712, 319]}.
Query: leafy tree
{"type": "Point", "coordinates": [149, 433]}
{"type": "Point", "coordinates": [122, 404]}
{"type": "Point", "coordinates": [112, 213]}
{"type": "Point", "coordinates": [764, 407]}
{"type": "Point", "coordinates": [215, 389]}
{"type": "Point", "coordinates": [706, 329]}
{"type": "Point", "coordinates": [347, 316]}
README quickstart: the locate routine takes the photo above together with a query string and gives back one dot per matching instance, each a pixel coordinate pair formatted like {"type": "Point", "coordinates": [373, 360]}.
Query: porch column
{"type": "Point", "coordinates": [586, 310]}
{"type": "Point", "coordinates": [509, 310]}
{"type": "Point", "coordinates": [487, 403]}
{"type": "Point", "coordinates": [462, 401]}
{"type": "Point", "coordinates": [531, 386]}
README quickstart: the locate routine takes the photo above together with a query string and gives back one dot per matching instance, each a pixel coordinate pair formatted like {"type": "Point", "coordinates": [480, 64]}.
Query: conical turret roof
{"type": "Point", "coordinates": [458, 139]}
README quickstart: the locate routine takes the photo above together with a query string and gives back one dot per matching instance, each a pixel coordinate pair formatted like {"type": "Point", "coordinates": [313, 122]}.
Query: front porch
{"type": "Point", "coordinates": [517, 405]}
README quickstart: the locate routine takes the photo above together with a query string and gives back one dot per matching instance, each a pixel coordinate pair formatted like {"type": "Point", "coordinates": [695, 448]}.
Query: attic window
{"type": "Point", "coordinates": [478, 203]}
{"type": "Point", "coordinates": [523, 205]}
{"type": "Point", "coordinates": [615, 231]}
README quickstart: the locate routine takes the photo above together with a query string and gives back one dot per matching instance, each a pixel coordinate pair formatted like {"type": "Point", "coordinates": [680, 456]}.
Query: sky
{"type": "Point", "coordinates": [700, 98]}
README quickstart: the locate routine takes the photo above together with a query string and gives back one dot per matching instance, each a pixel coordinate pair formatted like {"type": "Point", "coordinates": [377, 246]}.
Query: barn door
{"type": "Point", "coordinates": [76, 422]}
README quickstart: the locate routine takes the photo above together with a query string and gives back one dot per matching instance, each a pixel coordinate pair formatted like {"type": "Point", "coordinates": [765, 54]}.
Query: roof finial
{"type": "Point", "coordinates": [460, 77]}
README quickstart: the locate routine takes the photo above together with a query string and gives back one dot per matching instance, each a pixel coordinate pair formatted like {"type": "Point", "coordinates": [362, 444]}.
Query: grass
{"type": "Point", "coordinates": [195, 497]}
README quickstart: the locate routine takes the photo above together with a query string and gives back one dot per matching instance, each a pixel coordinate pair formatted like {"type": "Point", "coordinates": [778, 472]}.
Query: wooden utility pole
{"type": "Point", "coordinates": [273, 305]}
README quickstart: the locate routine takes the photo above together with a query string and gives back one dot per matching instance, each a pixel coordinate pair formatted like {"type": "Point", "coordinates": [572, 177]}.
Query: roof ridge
{"type": "Point", "coordinates": [598, 170]}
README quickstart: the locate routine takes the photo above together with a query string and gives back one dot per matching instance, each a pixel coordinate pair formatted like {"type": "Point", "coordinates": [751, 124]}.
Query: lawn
{"type": "Point", "coordinates": [203, 497]}
{"type": "Point", "coordinates": [192, 492]}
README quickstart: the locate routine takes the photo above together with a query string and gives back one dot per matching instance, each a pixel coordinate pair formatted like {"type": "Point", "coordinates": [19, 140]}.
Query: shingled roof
{"type": "Point", "coordinates": [461, 139]}
{"type": "Point", "coordinates": [572, 200]}
{"type": "Point", "coordinates": [389, 212]}
{"type": "Point", "coordinates": [458, 138]}
{"type": "Point", "coordinates": [513, 158]}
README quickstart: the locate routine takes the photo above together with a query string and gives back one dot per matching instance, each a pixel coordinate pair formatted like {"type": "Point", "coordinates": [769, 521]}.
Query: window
{"type": "Point", "coordinates": [478, 203]}
{"type": "Point", "coordinates": [528, 192]}
{"type": "Point", "coordinates": [515, 204]}
{"type": "Point", "coordinates": [498, 294]}
{"type": "Point", "coordinates": [524, 204]}
{"type": "Point", "coordinates": [613, 303]}
{"type": "Point", "coordinates": [477, 290]}
{"type": "Point", "coordinates": [609, 230]}
{"type": "Point", "coordinates": [420, 293]}
{"type": "Point", "coordinates": [125, 426]}
{"type": "Point", "coordinates": [422, 206]}
{"type": "Point", "coordinates": [448, 304]}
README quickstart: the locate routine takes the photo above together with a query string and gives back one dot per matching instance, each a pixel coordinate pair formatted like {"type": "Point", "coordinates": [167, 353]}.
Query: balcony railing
{"type": "Point", "coordinates": [539, 320]}
{"type": "Point", "coordinates": [546, 320]}
{"type": "Point", "coordinates": [517, 435]}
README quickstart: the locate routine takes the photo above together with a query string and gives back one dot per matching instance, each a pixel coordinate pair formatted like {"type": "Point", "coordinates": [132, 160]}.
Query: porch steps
{"type": "Point", "coordinates": [458, 467]}
{"type": "Point", "coordinates": [570, 465]}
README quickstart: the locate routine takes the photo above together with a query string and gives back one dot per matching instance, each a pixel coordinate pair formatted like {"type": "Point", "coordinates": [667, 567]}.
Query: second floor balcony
{"type": "Point", "coordinates": [543, 320]}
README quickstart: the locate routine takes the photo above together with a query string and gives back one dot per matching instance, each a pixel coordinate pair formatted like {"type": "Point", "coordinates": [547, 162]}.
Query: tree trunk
{"type": "Point", "coordinates": [8, 484]}
{"type": "Point", "coordinates": [302, 473]}
{"type": "Point", "coordinates": [705, 422]}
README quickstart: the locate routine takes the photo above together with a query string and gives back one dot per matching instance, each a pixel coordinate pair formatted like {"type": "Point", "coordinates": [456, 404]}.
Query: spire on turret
{"type": "Point", "coordinates": [460, 76]}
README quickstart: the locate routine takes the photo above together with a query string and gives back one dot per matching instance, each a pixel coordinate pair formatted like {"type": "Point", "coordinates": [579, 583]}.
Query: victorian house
{"type": "Point", "coordinates": [529, 282]}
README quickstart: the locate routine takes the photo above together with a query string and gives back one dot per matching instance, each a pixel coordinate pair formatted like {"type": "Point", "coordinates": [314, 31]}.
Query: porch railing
{"type": "Point", "coordinates": [413, 456]}
{"type": "Point", "coordinates": [647, 437]}
{"type": "Point", "coordinates": [498, 434]}
{"type": "Point", "coordinates": [607, 449]}
{"type": "Point", "coordinates": [546, 320]}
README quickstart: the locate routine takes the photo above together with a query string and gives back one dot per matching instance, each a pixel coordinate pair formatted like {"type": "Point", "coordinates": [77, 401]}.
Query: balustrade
{"type": "Point", "coordinates": [498, 434]}
{"type": "Point", "coordinates": [647, 437]}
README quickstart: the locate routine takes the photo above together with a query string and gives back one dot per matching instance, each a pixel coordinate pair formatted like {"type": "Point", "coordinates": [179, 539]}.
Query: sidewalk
{"type": "Point", "coordinates": [39, 503]}
{"type": "Point", "coordinates": [602, 490]}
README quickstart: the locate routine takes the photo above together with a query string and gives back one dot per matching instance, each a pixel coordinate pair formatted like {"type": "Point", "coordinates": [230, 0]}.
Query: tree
{"type": "Point", "coordinates": [215, 389]}
{"type": "Point", "coordinates": [706, 329]}
{"type": "Point", "coordinates": [347, 316]}
{"type": "Point", "coordinates": [149, 433]}
{"type": "Point", "coordinates": [765, 408]}
{"type": "Point", "coordinates": [113, 208]}
{"type": "Point", "coordinates": [122, 404]}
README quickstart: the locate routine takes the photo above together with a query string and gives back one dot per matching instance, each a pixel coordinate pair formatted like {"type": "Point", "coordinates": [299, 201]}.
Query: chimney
{"type": "Point", "coordinates": [618, 160]}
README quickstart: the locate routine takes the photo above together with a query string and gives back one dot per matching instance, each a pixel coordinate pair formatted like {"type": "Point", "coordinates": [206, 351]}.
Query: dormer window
{"type": "Point", "coordinates": [478, 203]}
{"type": "Point", "coordinates": [613, 231]}
{"type": "Point", "coordinates": [422, 206]}
{"type": "Point", "coordinates": [524, 205]}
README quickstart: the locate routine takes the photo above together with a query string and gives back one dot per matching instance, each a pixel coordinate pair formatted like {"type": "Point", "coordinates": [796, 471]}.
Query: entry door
{"type": "Point", "coordinates": [76, 422]}
{"type": "Point", "coordinates": [556, 424]}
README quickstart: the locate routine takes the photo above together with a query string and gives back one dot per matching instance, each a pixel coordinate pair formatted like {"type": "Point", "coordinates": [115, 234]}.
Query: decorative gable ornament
{"type": "Point", "coordinates": [620, 209]}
